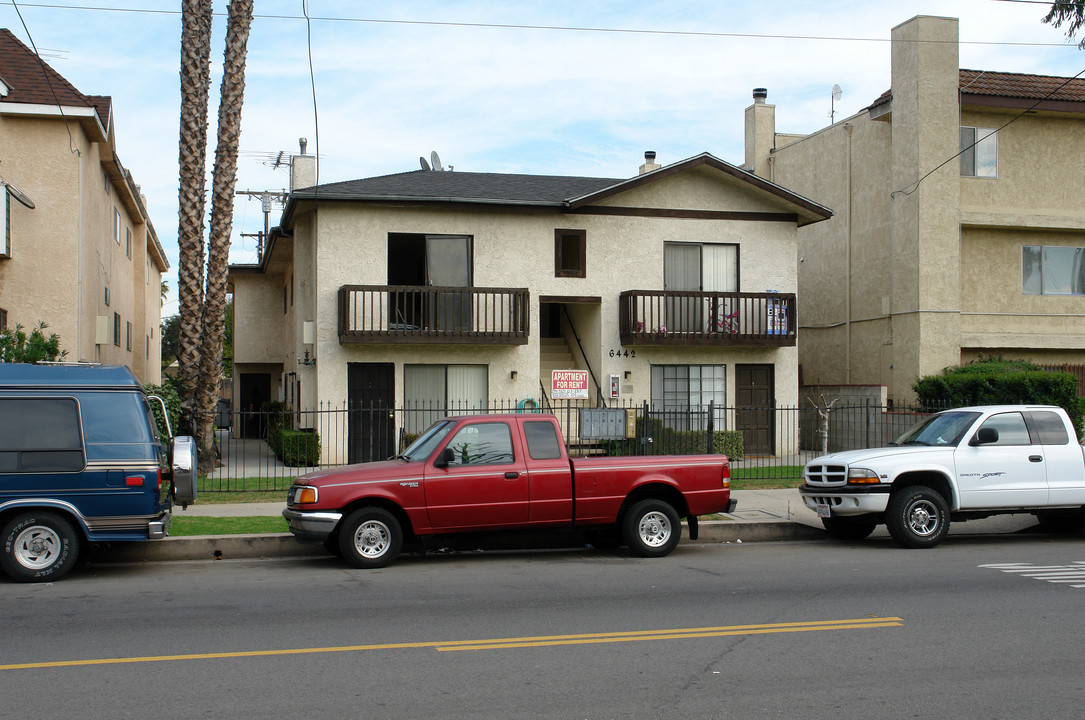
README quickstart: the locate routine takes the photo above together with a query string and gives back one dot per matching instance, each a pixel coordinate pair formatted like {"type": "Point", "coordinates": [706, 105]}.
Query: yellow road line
{"type": "Point", "coordinates": [498, 643]}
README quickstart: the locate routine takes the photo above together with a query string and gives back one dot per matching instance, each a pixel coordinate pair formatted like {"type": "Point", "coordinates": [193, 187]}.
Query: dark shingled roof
{"type": "Point", "coordinates": [31, 81]}
{"type": "Point", "coordinates": [434, 186]}
{"type": "Point", "coordinates": [1049, 88]}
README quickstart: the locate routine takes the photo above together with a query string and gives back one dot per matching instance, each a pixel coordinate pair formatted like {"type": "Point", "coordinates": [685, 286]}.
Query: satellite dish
{"type": "Point", "coordinates": [18, 195]}
{"type": "Point", "coordinates": [837, 92]}
{"type": "Point", "coordinates": [435, 160]}
{"type": "Point", "coordinates": [423, 163]}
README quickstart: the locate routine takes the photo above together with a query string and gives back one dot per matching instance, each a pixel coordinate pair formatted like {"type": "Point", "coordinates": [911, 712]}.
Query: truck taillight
{"type": "Point", "coordinates": [158, 485]}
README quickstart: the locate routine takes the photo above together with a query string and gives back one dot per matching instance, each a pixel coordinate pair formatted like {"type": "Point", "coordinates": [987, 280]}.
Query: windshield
{"type": "Point", "coordinates": [421, 448]}
{"type": "Point", "coordinates": [940, 430]}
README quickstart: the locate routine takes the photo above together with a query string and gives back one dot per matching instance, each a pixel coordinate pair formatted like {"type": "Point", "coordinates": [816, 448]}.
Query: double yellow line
{"type": "Point", "coordinates": [501, 643]}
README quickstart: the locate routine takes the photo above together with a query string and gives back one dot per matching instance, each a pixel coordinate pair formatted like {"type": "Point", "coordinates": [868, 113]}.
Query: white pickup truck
{"type": "Point", "coordinates": [960, 464]}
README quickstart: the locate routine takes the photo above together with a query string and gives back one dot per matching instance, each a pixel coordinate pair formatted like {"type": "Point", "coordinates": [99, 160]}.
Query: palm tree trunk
{"type": "Point", "coordinates": [196, 18]}
{"type": "Point", "coordinates": [224, 181]}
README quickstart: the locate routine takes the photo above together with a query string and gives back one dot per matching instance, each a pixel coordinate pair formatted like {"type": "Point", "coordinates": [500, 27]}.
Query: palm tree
{"type": "Point", "coordinates": [196, 18]}
{"type": "Point", "coordinates": [223, 184]}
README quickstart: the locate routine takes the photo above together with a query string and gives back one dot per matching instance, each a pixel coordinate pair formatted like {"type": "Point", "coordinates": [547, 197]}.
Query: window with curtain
{"type": "Point", "coordinates": [1052, 270]}
{"type": "Point", "coordinates": [702, 268]}
{"type": "Point", "coordinates": [681, 395]}
{"type": "Point", "coordinates": [979, 152]}
{"type": "Point", "coordinates": [431, 392]}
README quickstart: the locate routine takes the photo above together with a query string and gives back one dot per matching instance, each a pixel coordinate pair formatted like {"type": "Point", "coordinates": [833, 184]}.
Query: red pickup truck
{"type": "Point", "coordinates": [499, 472]}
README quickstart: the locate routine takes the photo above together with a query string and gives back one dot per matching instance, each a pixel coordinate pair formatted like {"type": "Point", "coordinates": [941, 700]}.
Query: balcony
{"type": "Point", "coordinates": [396, 314]}
{"type": "Point", "coordinates": [658, 317]}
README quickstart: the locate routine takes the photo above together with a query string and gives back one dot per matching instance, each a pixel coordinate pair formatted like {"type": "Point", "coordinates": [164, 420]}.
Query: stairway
{"type": "Point", "coordinates": [555, 354]}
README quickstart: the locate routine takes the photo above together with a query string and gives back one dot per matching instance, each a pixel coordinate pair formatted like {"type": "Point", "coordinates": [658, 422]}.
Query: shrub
{"type": "Point", "coordinates": [170, 396]}
{"type": "Point", "coordinates": [18, 347]}
{"type": "Point", "coordinates": [994, 381]}
{"type": "Point", "coordinates": [668, 441]}
{"type": "Point", "coordinates": [295, 448]}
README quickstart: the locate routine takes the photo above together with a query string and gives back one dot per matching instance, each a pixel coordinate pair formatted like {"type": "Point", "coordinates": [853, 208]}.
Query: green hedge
{"type": "Point", "coordinates": [993, 381]}
{"type": "Point", "coordinates": [295, 448]}
{"type": "Point", "coordinates": [668, 441]}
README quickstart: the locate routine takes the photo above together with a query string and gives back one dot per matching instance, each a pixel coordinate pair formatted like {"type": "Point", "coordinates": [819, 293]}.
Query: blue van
{"type": "Point", "coordinates": [81, 461]}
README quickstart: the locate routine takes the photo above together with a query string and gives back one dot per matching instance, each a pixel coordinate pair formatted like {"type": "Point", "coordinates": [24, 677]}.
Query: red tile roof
{"type": "Point", "coordinates": [31, 81]}
{"type": "Point", "coordinates": [1049, 88]}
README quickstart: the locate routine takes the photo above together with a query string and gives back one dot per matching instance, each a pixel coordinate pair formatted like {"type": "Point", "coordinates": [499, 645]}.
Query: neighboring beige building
{"type": "Point", "coordinates": [78, 250]}
{"type": "Point", "coordinates": [454, 289]}
{"type": "Point", "coordinates": [935, 259]}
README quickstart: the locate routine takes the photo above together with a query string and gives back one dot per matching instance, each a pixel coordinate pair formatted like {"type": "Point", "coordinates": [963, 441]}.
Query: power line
{"type": "Point", "coordinates": [556, 28]}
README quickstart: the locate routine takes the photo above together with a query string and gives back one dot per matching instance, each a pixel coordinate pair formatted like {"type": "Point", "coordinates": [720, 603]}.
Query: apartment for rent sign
{"type": "Point", "coordinates": [569, 384]}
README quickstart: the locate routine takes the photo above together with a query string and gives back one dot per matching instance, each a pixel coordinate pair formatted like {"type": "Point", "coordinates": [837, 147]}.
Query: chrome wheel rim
{"type": "Point", "coordinates": [655, 529]}
{"type": "Point", "coordinates": [37, 547]}
{"type": "Point", "coordinates": [923, 518]}
{"type": "Point", "coordinates": [372, 539]}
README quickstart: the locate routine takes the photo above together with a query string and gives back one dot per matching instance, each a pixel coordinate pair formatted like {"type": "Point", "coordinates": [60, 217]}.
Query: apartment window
{"type": "Point", "coordinates": [1052, 270]}
{"type": "Point", "coordinates": [570, 253]}
{"type": "Point", "coordinates": [681, 395]}
{"type": "Point", "coordinates": [5, 241]}
{"type": "Point", "coordinates": [441, 261]}
{"type": "Point", "coordinates": [286, 291]}
{"type": "Point", "coordinates": [128, 243]}
{"type": "Point", "coordinates": [128, 337]}
{"type": "Point", "coordinates": [431, 392]}
{"type": "Point", "coordinates": [148, 348]}
{"type": "Point", "coordinates": [697, 268]}
{"type": "Point", "coordinates": [117, 225]}
{"type": "Point", "coordinates": [106, 297]}
{"type": "Point", "coordinates": [3, 319]}
{"type": "Point", "coordinates": [147, 272]}
{"type": "Point", "coordinates": [979, 152]}
{"type": "Point", "coordinates": [117, 329]}
{"type": "Point", "coordinates": [105, 182]}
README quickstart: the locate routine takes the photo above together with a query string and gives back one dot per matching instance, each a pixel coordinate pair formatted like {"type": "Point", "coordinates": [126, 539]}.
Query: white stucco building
{"type": "Point", "coordinates": [674, 287]}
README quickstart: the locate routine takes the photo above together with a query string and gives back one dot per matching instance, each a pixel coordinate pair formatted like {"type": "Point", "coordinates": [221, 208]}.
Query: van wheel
{"type": "Point", "coordinates": [651, 528]}
{"type": "Point", "coordinates": [847, 528]}
{"type": "Point", "coordinates": [917, 517]}
{"type": "Point", "coordinates": [370, 538]}
{"type": "Point", "coordinates": [38, 547]}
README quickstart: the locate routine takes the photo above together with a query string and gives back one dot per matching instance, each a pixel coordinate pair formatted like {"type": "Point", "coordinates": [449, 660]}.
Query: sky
{"type": "Point", "coordinates": [551, 88]}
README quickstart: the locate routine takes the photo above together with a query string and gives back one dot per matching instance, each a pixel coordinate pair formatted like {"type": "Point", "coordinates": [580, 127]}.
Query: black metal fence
{"type": "Point", "coordinates": [261, 451]}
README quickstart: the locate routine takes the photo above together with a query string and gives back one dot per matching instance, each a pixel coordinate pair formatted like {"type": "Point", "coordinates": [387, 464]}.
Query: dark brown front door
{"type": "Point", "coordinates": [371, 398]}
{"type": "Point", "coordinates": [754, 407]}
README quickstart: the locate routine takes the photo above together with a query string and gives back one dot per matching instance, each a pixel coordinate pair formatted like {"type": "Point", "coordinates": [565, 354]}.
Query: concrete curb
{"type": "Point", "coordinates": [232, 547]}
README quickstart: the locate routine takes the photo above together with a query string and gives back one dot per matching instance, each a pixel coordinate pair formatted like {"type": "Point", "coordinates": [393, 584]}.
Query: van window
{"type": "Point", "coordinates": [40, 435]}
{"type": "Point", "coordinates": [115, 417]}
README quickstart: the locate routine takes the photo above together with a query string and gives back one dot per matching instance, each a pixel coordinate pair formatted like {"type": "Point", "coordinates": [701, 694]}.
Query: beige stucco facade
{"type": "Point", "coordinates": [921, 268]}
{"type": "Point", "coordinates": [341, 244]}
{"type": "Point", "coordinates": [87, 236]}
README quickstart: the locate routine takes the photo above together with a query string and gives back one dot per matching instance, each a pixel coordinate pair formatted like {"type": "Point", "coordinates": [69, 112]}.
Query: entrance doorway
{"type": "Point", "coordinates": [255, 390]}
{"type": "Point", "coordinates": [371, 402]}
{"type": "Point", "coordinates": [755, 402]}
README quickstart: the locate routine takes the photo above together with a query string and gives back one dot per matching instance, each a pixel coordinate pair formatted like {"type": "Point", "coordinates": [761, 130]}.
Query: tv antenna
{"type": "Point", "coordinates": [837, 94]}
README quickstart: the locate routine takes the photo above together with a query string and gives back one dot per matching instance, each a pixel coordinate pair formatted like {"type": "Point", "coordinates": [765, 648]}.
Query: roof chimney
{"type": "Point", "coordinates": [650, 163]}
{"type": "Point", "coordinates": [759, 95]}
{"type": "Point", "coordinates": [302, 168]}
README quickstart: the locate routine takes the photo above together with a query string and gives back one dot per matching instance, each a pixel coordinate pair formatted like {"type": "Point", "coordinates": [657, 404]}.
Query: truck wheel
{"type": "Point", "coordinates": [917, 517]}
{"type": "Point", "coordinates": [370, 538]}
{"type": "Point", "coordinates": [651, 528]}
{"type": "Point", "coordinates": [848, 528]}
{"type": "Point", "coordinates": [39, 547]}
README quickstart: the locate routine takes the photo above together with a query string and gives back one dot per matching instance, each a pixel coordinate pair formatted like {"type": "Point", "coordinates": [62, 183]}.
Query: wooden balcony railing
{"type": "Point", "coordinates": [658, 317]}
{"type": "Point", "coordinates": [424, 314]}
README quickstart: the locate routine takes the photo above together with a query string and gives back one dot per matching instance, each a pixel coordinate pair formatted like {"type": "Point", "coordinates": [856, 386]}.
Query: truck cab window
{"type": "Point", "coordinates": [482, 444]}
{"type": "Point", "coordinates": [1011, 429]}
{"type": "Point", "coordinates": [542, 440]}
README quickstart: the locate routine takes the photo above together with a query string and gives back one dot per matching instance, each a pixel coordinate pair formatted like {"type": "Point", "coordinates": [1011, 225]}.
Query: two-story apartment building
{"type": "Point", "coordinates": [959, 231]}
{"type": "Point", "coordinates": [432, 289]}
{"type": "Point", "coordinates": [78, 250]}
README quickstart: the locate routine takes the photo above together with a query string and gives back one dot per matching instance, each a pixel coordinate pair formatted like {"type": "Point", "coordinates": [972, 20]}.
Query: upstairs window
{"type": "Point", "coordinates": [979, 152]}
{"type": "Point", "coordinates": [570, 253]}
{"type": "Point", "coordinates": [5, 208]}
{"type": "Point", "coordinates": [117, 225]}
{"type": "Point", "coordinates": [1052, 270]}
{"type": "Point", "coordinates": [116, 329]}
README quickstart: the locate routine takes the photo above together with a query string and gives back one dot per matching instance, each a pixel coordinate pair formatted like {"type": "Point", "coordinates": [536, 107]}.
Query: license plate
{"type": "Point", "coordinates": [823, 510]}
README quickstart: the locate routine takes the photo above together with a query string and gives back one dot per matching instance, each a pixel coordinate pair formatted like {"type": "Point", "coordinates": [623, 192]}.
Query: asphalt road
{"type": "Point", "coordinates": [768, 630]}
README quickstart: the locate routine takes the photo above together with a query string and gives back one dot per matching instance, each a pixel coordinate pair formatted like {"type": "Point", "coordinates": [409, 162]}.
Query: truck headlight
{"type": "Point", "coordinates": [305, 494]}
{"type": "Point", "coordinates": [862, 476]}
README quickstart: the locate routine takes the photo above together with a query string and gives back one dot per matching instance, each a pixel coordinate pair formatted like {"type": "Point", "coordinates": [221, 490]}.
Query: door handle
{"type": "Point", "coordinates": [1035, 458]}
{"type": "Point", "coordinates": [512, 475]}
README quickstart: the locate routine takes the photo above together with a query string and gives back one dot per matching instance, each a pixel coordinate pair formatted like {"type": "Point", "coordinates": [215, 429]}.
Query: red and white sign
{"type": "Point", "coordinates": [569, 384]}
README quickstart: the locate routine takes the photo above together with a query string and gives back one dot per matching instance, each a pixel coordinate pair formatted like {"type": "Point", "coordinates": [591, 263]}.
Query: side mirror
{"type": "Point", "coordinates": [446, 457]}
{"type": "Point", "coordinates": [985, 436]}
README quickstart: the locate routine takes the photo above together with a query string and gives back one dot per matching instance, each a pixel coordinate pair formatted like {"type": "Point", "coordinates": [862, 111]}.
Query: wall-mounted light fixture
{"type": "Point", "coordinates": [308, 337]}
{"type": "Point", "coordinates": [628, 374]}
{"type": "Point", "coordinates": [512, 374]}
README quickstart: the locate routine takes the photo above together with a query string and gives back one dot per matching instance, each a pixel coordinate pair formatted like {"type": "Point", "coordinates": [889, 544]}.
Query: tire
{"type": "Point", "coordinates": [651, 528]}
{"type": "Point", "coordinates": [917, 517]}
{"type": "Point", "coordinates": [38, 547]}
{"type": "Point", "coordinates": [370, 537]}
{"type": "Point", "coordinates": [1061, 524]}
{"type": "Point", "coordinates": [848, 528]}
